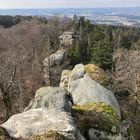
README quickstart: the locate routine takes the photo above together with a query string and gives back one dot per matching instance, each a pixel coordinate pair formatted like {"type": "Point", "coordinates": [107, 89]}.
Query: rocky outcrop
{"type": "Point", "coordinates": [95, 134]}
{"type": "Point", "coordinates": [40, 121]}
{"type": "Point", "coordinates": [95, 107]}
{"type": "Point", "coordinates": [55, 58]}
{"type": "Point", "coordinates": [85, 90]}
{"type": "Point", "coordinates": [48, 112]}
{"type": "Point", "coordinates": [66, 39]}
{"type": "Point", "coordinates": [80, 109]}
{"type": "Point", "coordinates": [50, 98]}
{"type": "Point", "coordinates": [53, 67]}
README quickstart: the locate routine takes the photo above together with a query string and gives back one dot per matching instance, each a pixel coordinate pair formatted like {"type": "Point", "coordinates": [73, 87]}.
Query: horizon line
{"type": "Point", "coordinates": [67, 7]}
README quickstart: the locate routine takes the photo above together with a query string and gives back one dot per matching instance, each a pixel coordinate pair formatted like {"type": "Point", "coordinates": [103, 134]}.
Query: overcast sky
{"type": "Point", "coordinates": [67, 3]}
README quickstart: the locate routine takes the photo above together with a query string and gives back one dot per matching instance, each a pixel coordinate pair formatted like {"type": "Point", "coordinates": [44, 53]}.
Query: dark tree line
{"type": "Point", "coordinates": [96, 43]}
{"type": "Point", "coordinates": [9, 21]}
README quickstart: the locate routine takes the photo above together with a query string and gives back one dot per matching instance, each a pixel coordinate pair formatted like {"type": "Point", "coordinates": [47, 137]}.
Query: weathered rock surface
{"type": "Point", "coordinates": [38, 121]}
{"type": "Point", "coordinates": [85, 90]}
{"type": "Point", "coordinates": [96, 135]}
{"type": "Point", "coordinates": [50, 98]}
{"type": "Point", "coordinates": [95, 107]}
{"type": "Point", "coordinates": [53, 67]}
{"type": "Point", "coordinates": [55, 58]}
{"type": "Point", "coordinates": [49, 111]}
{"type": "Point", "coordinates": [97, 74]}
{"type": "Point", "coordinates": [66, 39]}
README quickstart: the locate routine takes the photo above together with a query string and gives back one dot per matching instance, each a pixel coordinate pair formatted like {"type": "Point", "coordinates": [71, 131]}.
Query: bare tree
{"type": "Point", "coordinates": [5, 89]}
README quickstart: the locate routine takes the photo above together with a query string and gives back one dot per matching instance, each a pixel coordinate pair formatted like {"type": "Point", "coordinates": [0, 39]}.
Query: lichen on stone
{"type": "Point", "coordinates": [99, 116]}
{"type": "Point", "coordinates": [97, 74]}
{"type": "Point", "coordinates": [65, 79]}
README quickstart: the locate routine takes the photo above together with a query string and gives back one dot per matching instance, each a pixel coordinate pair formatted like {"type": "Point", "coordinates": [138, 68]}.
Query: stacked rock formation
{"type": "Point", "coordinates": [80, 109]}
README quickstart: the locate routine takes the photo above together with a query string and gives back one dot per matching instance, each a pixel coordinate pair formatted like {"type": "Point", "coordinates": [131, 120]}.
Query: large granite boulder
{"type": "Point", "coordinates": [48, 112]}
{"type": "Point", "coordinates": [40, 121]}
{"type": "Point", "coordinates": [50, 98]}
{"type": "Point", "coordinates": [95, 107]}
{"type": "Point", "coordinates": [85, 90]}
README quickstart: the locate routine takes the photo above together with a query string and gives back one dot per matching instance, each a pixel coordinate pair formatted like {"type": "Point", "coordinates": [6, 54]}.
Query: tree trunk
{"type": "Point", "coordinates": [7, 104]}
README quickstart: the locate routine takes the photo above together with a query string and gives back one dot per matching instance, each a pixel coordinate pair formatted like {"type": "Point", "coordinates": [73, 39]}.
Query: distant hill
{"type": "Point", "coordinates": [129, 16]}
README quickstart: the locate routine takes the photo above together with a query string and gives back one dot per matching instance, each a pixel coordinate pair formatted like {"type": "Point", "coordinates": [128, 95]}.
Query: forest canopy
{"type": "Point", "coordinates": [96, 43]}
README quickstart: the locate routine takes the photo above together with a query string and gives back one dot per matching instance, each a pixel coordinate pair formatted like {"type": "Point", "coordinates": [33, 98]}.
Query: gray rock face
{"type": "Point", "coordinates": [53, 67]}
{"type": "Point", "coordinates": [50, 98]}
{"type": "Point", "coordinates": [85, 93]}
{"type": "Point", "coordinates": [66, 39]}
{"type": "Point", "coordinates": [85, 90]}
{"type": "Point", "coordinates": [97, 135]}
{"type": "Point", "coordinates": [77, 72]}
{"type": "Point", "coordinates": [41, 120]}
{"type": "Point", "coordinates": [49, 111]}
{"type": "Point", "coordinates": [55, 58]}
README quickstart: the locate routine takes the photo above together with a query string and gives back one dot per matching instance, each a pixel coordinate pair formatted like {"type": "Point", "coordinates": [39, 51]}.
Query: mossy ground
{"type": "Point", "coordinates": [98, 116]}
{"type": "Point", "coordinates": [97, 74]}
{"type": "Point", "coordinates": [51, 135]}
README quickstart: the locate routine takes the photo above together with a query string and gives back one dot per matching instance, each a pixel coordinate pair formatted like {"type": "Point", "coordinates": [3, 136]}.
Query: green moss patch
{"type": "Point", "coordinates": [99, 116]}
{"type": "Point", "coordinates": [97, 74]}
{"type": "Point", "coordinates": [130, 131]}
{"type": "Point", "coordinates": [51, 135]}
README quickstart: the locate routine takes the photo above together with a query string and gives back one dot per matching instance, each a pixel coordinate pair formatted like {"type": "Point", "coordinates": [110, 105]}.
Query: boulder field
{"type": "Point", "coordinates": [81, 108]}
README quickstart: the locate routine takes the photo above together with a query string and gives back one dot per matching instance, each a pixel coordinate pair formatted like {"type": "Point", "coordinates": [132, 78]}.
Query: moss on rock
{"type": "Point", "coordinates": [99, 116]}
{"type": "Point", "coordinates": [130, 131]}
{"type": "Point", "coordinates": [51, 135]}
{"type": "Point", "coordinates": [125, 114]}
{"type": "Point", "coordinates": [97, 74]}
{"type": "Point", "coordinates": [4, 135]}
